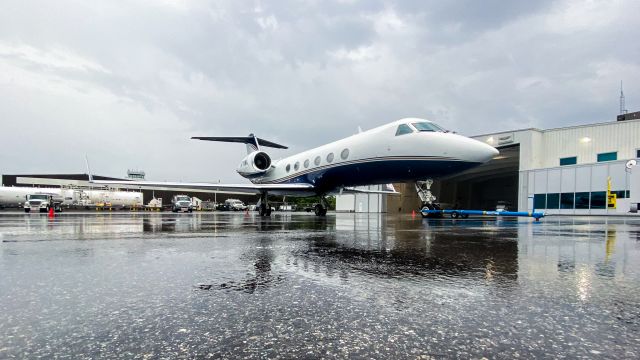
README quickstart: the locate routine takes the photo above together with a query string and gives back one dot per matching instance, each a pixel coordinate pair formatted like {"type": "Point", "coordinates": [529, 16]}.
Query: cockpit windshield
{"type": "Point", "coordinates": [427, 126]}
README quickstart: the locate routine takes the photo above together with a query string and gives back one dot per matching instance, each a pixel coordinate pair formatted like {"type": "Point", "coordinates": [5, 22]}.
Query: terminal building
{"type": "Point", "coordinates": [561, 171]}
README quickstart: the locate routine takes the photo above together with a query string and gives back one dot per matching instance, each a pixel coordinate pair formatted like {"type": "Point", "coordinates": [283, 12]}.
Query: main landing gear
{"type": "Point", "coordinates": [322, 207]}
{"type": "Point", "coordinates": [264, 209]}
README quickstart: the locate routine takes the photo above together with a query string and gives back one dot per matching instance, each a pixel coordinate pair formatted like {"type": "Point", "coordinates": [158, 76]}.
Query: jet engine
{"type": "Point", "coordinates": [256, 163]}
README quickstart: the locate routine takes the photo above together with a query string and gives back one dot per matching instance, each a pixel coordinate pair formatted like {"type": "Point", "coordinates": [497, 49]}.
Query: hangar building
{"type": "Point", "coordinates": [561, 171]}
{"type": "Point", "coordinates": [82, 180]}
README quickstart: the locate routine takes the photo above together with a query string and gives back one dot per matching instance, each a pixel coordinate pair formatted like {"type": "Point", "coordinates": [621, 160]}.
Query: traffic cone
{"type": "Point", "coordinates": [51, 212]}
{"type": "Point", "coordinates": [413, 213]}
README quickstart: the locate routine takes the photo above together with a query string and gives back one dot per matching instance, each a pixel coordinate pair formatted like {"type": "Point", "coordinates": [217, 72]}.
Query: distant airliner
{"type": "Point", "coordinates": [405, 150]}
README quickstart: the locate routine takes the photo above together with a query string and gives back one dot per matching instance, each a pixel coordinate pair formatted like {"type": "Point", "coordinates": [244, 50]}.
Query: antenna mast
{"type": "Point", "coordinates": [622, 106]}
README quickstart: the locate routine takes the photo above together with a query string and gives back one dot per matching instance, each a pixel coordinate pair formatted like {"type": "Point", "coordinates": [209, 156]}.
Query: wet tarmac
{"type": "Point", "coordinates": [296, 286]}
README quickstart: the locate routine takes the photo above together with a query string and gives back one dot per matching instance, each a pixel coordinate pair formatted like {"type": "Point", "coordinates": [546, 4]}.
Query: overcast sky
{"type": "Point", "coordinates": [128, 82]}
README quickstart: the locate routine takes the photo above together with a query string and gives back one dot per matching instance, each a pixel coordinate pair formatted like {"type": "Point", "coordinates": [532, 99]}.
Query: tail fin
{"type": "Point", "coordinates": [253, 143]}
{"type": "Point", "coordinates": [252, 146]}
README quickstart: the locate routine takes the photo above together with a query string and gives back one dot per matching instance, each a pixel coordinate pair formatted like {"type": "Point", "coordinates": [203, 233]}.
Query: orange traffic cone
{"type": "Point", "coordinates": [51, 212]}
{"type": "Point", "coordinates": [413, 213]}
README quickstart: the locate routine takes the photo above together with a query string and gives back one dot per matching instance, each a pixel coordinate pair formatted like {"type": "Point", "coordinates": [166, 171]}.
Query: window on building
{"type": "Point", "coordinates": [566, 201]}
{"type": "Point", "coordinates": [540, 201]}
{"type": "Point", "coordinates": [569, 161]}
{"type": "Point", "coordinates": [582, 200]}
{"type": "Point", "coordinates": [553, 201]}
{"type": "Point", "coordinates": [610, 156]}
{"type": "Point", "coordinates": [620, 194]}
{"type": "Point", "coordinates": [599, 200]}
{"type": "Point", "coordinates": [403, 129]}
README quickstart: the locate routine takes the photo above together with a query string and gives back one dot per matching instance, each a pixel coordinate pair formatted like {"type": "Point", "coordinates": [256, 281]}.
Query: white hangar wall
{"type": "Point", "coordinates": [590, 154]}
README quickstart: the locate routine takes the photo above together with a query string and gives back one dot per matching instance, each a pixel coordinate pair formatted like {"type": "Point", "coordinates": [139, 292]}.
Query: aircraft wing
{"type": "Point", "coordinates": [274, 189]}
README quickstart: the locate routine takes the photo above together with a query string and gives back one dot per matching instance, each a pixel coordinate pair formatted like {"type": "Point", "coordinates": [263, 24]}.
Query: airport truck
{"type": "Point", "coordinates": [181, 203]}
{"type": "Point", "coordinates": [42, 202]}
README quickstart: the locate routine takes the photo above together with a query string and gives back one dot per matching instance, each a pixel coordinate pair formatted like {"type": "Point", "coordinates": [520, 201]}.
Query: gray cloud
{"type": "Point", "coordinates": [129, 82]}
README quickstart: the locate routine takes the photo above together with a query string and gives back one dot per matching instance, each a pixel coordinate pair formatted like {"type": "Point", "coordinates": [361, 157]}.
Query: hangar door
{"type": "Point", "coordinates": [485, 186]}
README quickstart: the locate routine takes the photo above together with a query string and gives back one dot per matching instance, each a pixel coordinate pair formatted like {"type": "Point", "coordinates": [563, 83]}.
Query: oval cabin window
{"type": "Point", "coordinates": [344, 154]}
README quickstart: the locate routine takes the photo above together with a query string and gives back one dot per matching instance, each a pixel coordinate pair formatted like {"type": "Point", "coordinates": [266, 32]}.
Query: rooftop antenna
{"type": "Point", "coordinates": [622, 106]}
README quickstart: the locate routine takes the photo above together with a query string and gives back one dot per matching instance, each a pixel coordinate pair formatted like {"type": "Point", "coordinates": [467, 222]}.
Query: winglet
{"type": "Point", "coordinates": [86, 159]}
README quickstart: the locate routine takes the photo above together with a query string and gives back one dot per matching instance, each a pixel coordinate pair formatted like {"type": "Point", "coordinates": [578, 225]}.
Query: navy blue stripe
{"type": "Point", "coordinates": [360, 161]}
{"type": "Point", "coordinates": [377, 172]}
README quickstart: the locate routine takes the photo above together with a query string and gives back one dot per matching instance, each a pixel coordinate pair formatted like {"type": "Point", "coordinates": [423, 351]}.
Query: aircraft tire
{"type": "Point", "coordinates": [27, 210]}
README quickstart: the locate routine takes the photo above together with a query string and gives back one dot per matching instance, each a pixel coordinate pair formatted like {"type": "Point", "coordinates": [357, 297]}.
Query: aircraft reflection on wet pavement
{"type": "Point", "coordinates": [296, 285]}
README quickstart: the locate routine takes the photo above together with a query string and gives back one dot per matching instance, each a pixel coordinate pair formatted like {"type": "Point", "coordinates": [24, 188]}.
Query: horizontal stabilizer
{"type": "Point", "coordinates": [242, 140]}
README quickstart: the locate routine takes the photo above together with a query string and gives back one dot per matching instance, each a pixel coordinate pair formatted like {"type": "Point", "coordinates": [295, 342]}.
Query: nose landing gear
{"type": "Point", "coordinates": [423, 188]}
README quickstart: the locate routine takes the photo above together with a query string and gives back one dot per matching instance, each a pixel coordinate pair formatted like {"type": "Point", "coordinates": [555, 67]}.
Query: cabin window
{"type": "Point", "coordinates": [344, 154]}
{"type": "Point", "coordinates": [330, 157]}
{"type": "Point", "coordinates": [306, 163]}
{"type": "Point", "coordinates": [317, 160]}
{"type": "Point", "coordinates": [403, 129]}
{"type": "Point", "coordinates": [296, 166]}
{"type": "Point", "coordinates": [288, 167]}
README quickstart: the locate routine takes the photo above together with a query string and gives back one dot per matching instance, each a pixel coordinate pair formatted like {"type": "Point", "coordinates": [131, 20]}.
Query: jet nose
{"type": "Point", "coordinates": [488, 152]}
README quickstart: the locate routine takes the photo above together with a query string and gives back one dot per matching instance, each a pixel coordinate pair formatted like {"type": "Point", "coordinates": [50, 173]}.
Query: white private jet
{"type": "Point", "coordinates": [405, 150]}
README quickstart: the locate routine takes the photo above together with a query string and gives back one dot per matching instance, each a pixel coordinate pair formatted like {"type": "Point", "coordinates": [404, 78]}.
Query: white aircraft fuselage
{"type": "Point", "coordinates": [377, 156]}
